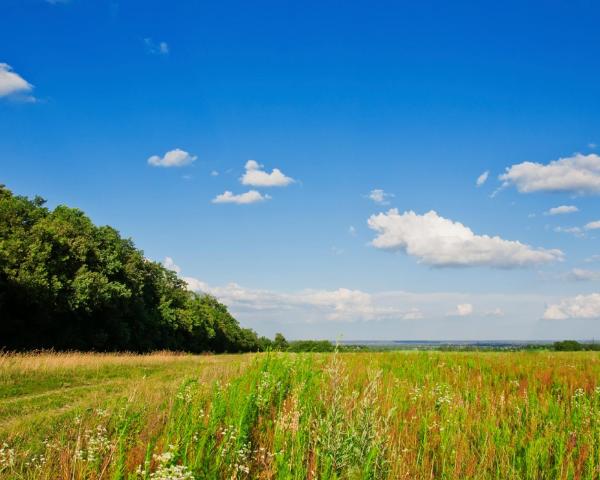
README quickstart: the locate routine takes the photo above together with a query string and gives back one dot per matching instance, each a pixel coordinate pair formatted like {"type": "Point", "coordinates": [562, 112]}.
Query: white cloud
{"type": "Point", "coordinates": [160, 48]}
{"type": "Point", "coordinates": [379, 196]}
{"type": "Point", "coordinates": [440, 242]}
{"type": "Point", "coordinates": [342, 304]}
{"type": "Point", "coordinates": [171, 265]}
{"type": "Point", "coordinates": [583, 275]}
{"type": "Point", "coordinates": [562, 210]}
{"type": "Point", "coordinates": [579, 231]}
{"type": "Point", "coordinates": [482, 178]}
{"type": "Point", "coordinates": [592, 225]}
{"type": "Point", "coordinates": [173, 158]}
{"type": "Point", "coordinates": [251, 196]}
{"type": "Point", "coordinates": [463, 310]}
{"type": "Point", "coordinates": [592, 145]}
{"type": "Point", "coordinates": [352, 230]}
{"type": "Point", "coordinates": [572, 230]}
{"type": "Point", "coordinates": [214, 173]}
{"type": "Point", "coordinates": [593, 258]}
{"type": "Point", "coordinates": [581, 306]}
{"type": "Point", "coordinates": [257, 177]}
{"type": "Point", "coordinates": [281, 309]}
{"type": "Point", "coordinates": [577, 174]}
{"type": "Point", "coordinates": [12, 83]}
{"type": "Point", "coordinates": [351, 305]}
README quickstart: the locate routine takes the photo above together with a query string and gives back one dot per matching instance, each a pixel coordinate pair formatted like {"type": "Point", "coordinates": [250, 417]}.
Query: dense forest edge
{"type": "Point", "coordinates": [67, 284]}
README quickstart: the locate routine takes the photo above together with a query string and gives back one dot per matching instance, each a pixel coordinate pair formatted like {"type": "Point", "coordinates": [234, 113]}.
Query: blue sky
{"type": "Point", "coordinates": [361, 108]}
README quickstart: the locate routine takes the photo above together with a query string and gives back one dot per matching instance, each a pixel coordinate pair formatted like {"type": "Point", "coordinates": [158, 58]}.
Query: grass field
{"type": "Point", "coordinates": [413, 415]}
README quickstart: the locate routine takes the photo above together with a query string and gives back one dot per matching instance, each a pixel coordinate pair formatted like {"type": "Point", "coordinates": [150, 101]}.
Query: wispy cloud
{"type": "Point", "coordinates": [582, 275]}
{"type": "Point", "coordinates": [482, 178]}
{"type": "Point", "coordinates": [156, 48]}
{"type": "Point", "coordinates": [339, 305]}
{"type": "Point", "coordinates": [577, 231]}
{"type": "Point", "coordinates": [353, 305]}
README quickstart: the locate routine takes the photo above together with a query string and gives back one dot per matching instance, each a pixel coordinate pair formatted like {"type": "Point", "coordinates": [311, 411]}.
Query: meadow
{"type": "Point", "coordinates": [396, 415]}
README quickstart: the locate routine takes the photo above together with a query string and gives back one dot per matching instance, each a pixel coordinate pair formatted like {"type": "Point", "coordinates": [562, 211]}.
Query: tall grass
{"type": "Point", "coordinates": [395, 415]}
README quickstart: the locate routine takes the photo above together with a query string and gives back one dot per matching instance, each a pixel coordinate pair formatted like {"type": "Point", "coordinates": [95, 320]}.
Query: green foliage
{"type": "Point", "coordinates": [68, 284]}
{"type": "Point", "coordinates": [280, 343]}
{"type": "Point", "coordinates": [568, 346]}
{"type": "Point", "coordinates": [574, 346]}
{"type": "Point", "coordinates": [311, 346]}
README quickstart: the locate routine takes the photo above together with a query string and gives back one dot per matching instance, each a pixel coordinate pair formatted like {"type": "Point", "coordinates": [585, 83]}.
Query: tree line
{"type": "Point", "coordinates": [66, 283]}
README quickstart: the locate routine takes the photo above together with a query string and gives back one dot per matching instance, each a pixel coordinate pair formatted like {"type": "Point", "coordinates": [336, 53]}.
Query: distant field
{"type": "Point", "coordinates": [396, 415]}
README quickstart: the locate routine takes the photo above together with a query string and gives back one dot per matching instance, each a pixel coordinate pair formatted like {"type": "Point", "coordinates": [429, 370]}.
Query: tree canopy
{"type": "Point", "coordinates": [66, 283]}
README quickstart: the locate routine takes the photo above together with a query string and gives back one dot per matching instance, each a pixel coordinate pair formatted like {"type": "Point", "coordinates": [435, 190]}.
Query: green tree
{"type": "Point", "coordinates": [66, 283]}
{"type": "Point", "coordinates": [280, 343]}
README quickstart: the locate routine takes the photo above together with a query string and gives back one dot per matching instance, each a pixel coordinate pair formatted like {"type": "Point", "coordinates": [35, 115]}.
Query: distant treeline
{"type": "Point", "coordinates": [66, 283]}
{"type": "Point", "coordinates": [574, 346]}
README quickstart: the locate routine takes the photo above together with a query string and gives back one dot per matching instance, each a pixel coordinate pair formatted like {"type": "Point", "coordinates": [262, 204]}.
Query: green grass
{"type": "Point", "coordinates": [442, 415]}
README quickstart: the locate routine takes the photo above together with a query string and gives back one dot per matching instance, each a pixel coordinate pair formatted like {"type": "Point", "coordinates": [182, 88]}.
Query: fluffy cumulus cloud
{"type": "Point", "coordinates": [11, 83]}
{"type": "Point", "coordinates": [481, 179]}
{"type": "Point", "coordinates": [595, 225]}
{"type": "Point", "coordinates": [380, 197]}
{"type": "Point", "coordinates": [251, 196]}
{"type": "Point", "coordinates": [578, 174]}
{"type": "Point", "coordinates": [441, 242]}
{"type": "Point", "coordinates": [561, 210]}
{"type": "Point", "coordinates": [171, 265]}
{"type": "Point", "coordinates": [173, 158]}
{"type": "Point", "coordinates": [257, 177]}
{"type": "Point", "coordinates": [463, 310]}
{"type": "Point", "coordinates": [581, 306]}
